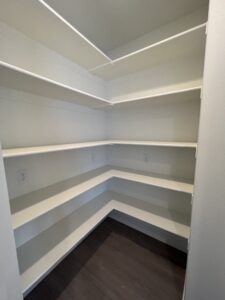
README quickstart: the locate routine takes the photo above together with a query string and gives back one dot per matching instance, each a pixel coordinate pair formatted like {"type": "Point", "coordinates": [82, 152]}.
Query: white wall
{"type": "Point", "coordinates": [160, 120]}
{"type": "Point", "coordinates": [206, 263]}
{"type": "Point", "coordinates": [172, 162]}
{"type": "Point", "coordinates": [29, 120]}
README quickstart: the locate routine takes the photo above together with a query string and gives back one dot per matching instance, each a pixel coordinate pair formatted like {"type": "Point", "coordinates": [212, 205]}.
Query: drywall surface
{"type": "Point", "coordinates": [159, 120]}
{"type": "Point", "coordinates": [206, 263]}
{"type": "Point", "coordinates": [172, 162]}
{"type": "Point", "coordinates": [29, 120]}
{"type": "Point", "coordinates": [9, 275]}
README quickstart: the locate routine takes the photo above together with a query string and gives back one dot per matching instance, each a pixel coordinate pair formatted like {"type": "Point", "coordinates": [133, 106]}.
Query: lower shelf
{"type": "Point", "coordinates": [41, 254]}
{"type": "Point", "coordinates": [160, 217]}
{"type": "Point", "coordinates": [33, 205]}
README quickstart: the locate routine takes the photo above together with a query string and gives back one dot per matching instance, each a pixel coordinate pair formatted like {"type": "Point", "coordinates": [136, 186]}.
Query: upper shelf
{"type": "Point", "coordinates": [17, 152]}
{"type": "Point", "coordinates": [181, 94]}
{"type": "Point", "coordinates": [185, 44]}
{"type": "Point", "coordinates": [27, 16]}
{"type": "Point", "coordinates": [20, 79]}
{"type": "Point", "coordinates": [17, 78]}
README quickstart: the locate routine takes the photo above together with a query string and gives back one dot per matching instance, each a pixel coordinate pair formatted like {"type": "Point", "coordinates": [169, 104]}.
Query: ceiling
{"type": "Point", "coordinates": [112, 23]}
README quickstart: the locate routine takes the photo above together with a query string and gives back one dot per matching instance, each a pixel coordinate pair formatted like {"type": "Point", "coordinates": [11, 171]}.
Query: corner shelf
{"type": "Point", "coordinates": [69, 232]}
{"type": "Point", "coordinates": [27, 15]}
{"type": "Point", "coordinates": [28, 207]}
{"type": "Point", "coordinates": [26, 151]}
{"type": "Point", "coordinates": [44, 253]}
{"type": "Point", "coordinates": [185, 44]}
{"type": "Point", "coordinates": [20, 79]}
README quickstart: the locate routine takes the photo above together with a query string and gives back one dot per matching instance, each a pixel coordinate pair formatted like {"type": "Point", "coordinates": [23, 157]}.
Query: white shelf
{"type": "Point", "coordinates": [20, 79]}
{"type": "Point", "coordinates": [185, 44]}
{"type": "Point", "coordinates": [178, 94]}
{"type": "Point", "coordinates": [27, 15]}
{"type": "Point", "coordinates": [33, 205]}
{"type": "Point", "coordinates": [17, 152]}
{"type": "Point", "coordinates": [164, 182]}
{"type": "Point", "coordinates": [17, 78]}
{"type": "Point", "coordinates": [154, 143]}
{"type": "Point", "coordinates": [45, 253]}
{"type": "Point", "coordinates": [26, 151]}
{"type": "Point", "coordinates": [160, 217]}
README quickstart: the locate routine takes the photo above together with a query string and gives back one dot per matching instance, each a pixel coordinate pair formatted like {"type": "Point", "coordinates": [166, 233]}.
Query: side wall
{"type": "Point", "coordinates": [206, 264]}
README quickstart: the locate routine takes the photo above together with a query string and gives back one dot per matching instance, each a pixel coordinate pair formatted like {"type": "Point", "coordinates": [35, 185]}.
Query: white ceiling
{"type": "Point", "coordinates": [112, 23]}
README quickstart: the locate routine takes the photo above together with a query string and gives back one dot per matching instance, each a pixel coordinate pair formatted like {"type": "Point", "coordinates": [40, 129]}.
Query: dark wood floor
{"type": "Point", "coordinates": [116, 262]}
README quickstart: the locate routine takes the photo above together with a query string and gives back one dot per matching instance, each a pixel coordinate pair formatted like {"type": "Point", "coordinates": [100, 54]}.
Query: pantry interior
{"type": "Point", "coordinates": [99, 116]}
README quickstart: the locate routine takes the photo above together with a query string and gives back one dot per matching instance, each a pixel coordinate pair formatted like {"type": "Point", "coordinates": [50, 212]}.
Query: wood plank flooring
{"type": "Point", "coordinates": [116, 262]}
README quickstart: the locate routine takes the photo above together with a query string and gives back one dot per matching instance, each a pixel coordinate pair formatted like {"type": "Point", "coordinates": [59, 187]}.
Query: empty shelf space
{"type": "Point", "coordinates": [188, 43]}
{"type": "Point", "coordinates": [20, 79]}
{"type": "Point", "coordinates": [39, 255]}
{"type": "Point", "coordinates": [192, 92]}
{"type": "Point", "coordinates": [27, 15]}
{"type": "Point", "coordinates": [35, 204]}
{"type": "Point", "coordinates": [17, 152]}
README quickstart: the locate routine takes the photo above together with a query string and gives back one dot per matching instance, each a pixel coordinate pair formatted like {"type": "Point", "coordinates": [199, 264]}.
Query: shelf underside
{"type": "Point", "coordinates": [74, 45]}
{"type": "Point", "coordinates": [41, 254]}
{"type": "Point", "coordinates": [35, 204]}
{"type": "Point", "coordinates": [190, 43]}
